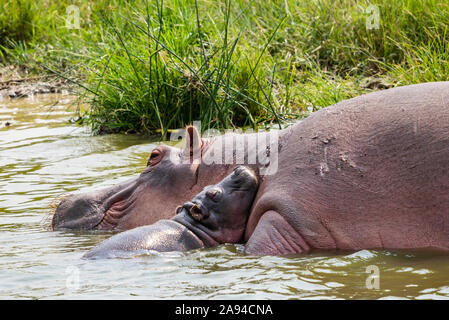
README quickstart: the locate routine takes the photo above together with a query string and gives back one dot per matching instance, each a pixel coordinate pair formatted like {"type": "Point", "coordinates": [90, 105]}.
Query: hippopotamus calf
{"type": "Point", "coordinates": [217, 215]}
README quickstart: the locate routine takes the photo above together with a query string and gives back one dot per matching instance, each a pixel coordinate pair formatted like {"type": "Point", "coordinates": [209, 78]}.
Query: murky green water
{"type": "Point", "coordinates": [42, 157]}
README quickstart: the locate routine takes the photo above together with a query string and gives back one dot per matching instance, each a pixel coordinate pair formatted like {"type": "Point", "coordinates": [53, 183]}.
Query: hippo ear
{"type": "Point", "coordinates": [193, 143]}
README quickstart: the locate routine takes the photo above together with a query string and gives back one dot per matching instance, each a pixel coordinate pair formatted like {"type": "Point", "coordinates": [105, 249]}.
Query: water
{"type": "Point", "coordinates": [43, 156]}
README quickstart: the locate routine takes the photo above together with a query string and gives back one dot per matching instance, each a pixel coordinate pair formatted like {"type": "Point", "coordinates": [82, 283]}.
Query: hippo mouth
{"type": "Point", "coordinates": [116, 211]}
{"type": "Point", "coordinates": [115, 208]}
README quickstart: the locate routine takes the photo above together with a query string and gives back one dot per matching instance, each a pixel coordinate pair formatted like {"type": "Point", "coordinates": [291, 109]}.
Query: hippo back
{"type": "Point", "coordinates": [369, 172]}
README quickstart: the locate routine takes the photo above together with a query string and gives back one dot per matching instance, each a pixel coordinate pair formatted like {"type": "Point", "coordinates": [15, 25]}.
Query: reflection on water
{"type": "Point", "coordinates": [43, 157]}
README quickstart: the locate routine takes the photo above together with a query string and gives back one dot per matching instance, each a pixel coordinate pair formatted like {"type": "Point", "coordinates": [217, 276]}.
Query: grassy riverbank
{"type": "Point", "coordinates": [150, 66]}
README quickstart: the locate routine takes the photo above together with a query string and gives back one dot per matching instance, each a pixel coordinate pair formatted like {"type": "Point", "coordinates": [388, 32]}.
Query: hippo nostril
{"type": "Point", "coordinates": [195, 209]}
{"type": "Point", "coordinates": [188, 205]}
{"type": "Point", "coordinates": [197, 213]}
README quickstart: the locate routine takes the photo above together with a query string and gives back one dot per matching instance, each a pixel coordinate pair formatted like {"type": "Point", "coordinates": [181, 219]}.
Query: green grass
{"type": "Point", "coordinates": [152, 66]}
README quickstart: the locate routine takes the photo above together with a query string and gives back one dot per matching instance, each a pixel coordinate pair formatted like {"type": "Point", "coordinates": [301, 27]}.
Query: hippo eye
{"type": "Point", "coordinates": [214, 194]}
{"type": "Point", "coordinates": [155, 157]}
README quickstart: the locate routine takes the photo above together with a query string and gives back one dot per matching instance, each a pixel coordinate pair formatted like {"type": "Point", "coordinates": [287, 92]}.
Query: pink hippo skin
{"type": "Point", "coordinates": [367, 173]}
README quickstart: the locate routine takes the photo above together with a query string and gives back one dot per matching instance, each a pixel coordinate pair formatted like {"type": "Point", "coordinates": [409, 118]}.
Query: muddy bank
{"type": "Point", "coordinates": [18, 88]}
{"type": "Point", "coordinates": [16, 83]}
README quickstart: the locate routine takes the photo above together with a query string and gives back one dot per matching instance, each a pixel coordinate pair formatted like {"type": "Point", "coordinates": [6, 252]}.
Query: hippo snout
{"type": "Point", "coordinates": [76, 212]}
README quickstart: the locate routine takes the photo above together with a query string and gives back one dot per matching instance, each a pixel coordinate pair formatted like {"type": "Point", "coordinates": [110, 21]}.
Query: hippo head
{"type": "Point", "coordinates": [218, 214]}
{"type": "Point", "coordinates": [167, 181]}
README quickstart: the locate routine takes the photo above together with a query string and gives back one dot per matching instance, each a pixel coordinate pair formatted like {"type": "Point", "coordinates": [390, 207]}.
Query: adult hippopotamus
{"type": "Point", "coordinates": [369, 172]}
{"type": "Point", "coordinates": [217, 215]}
